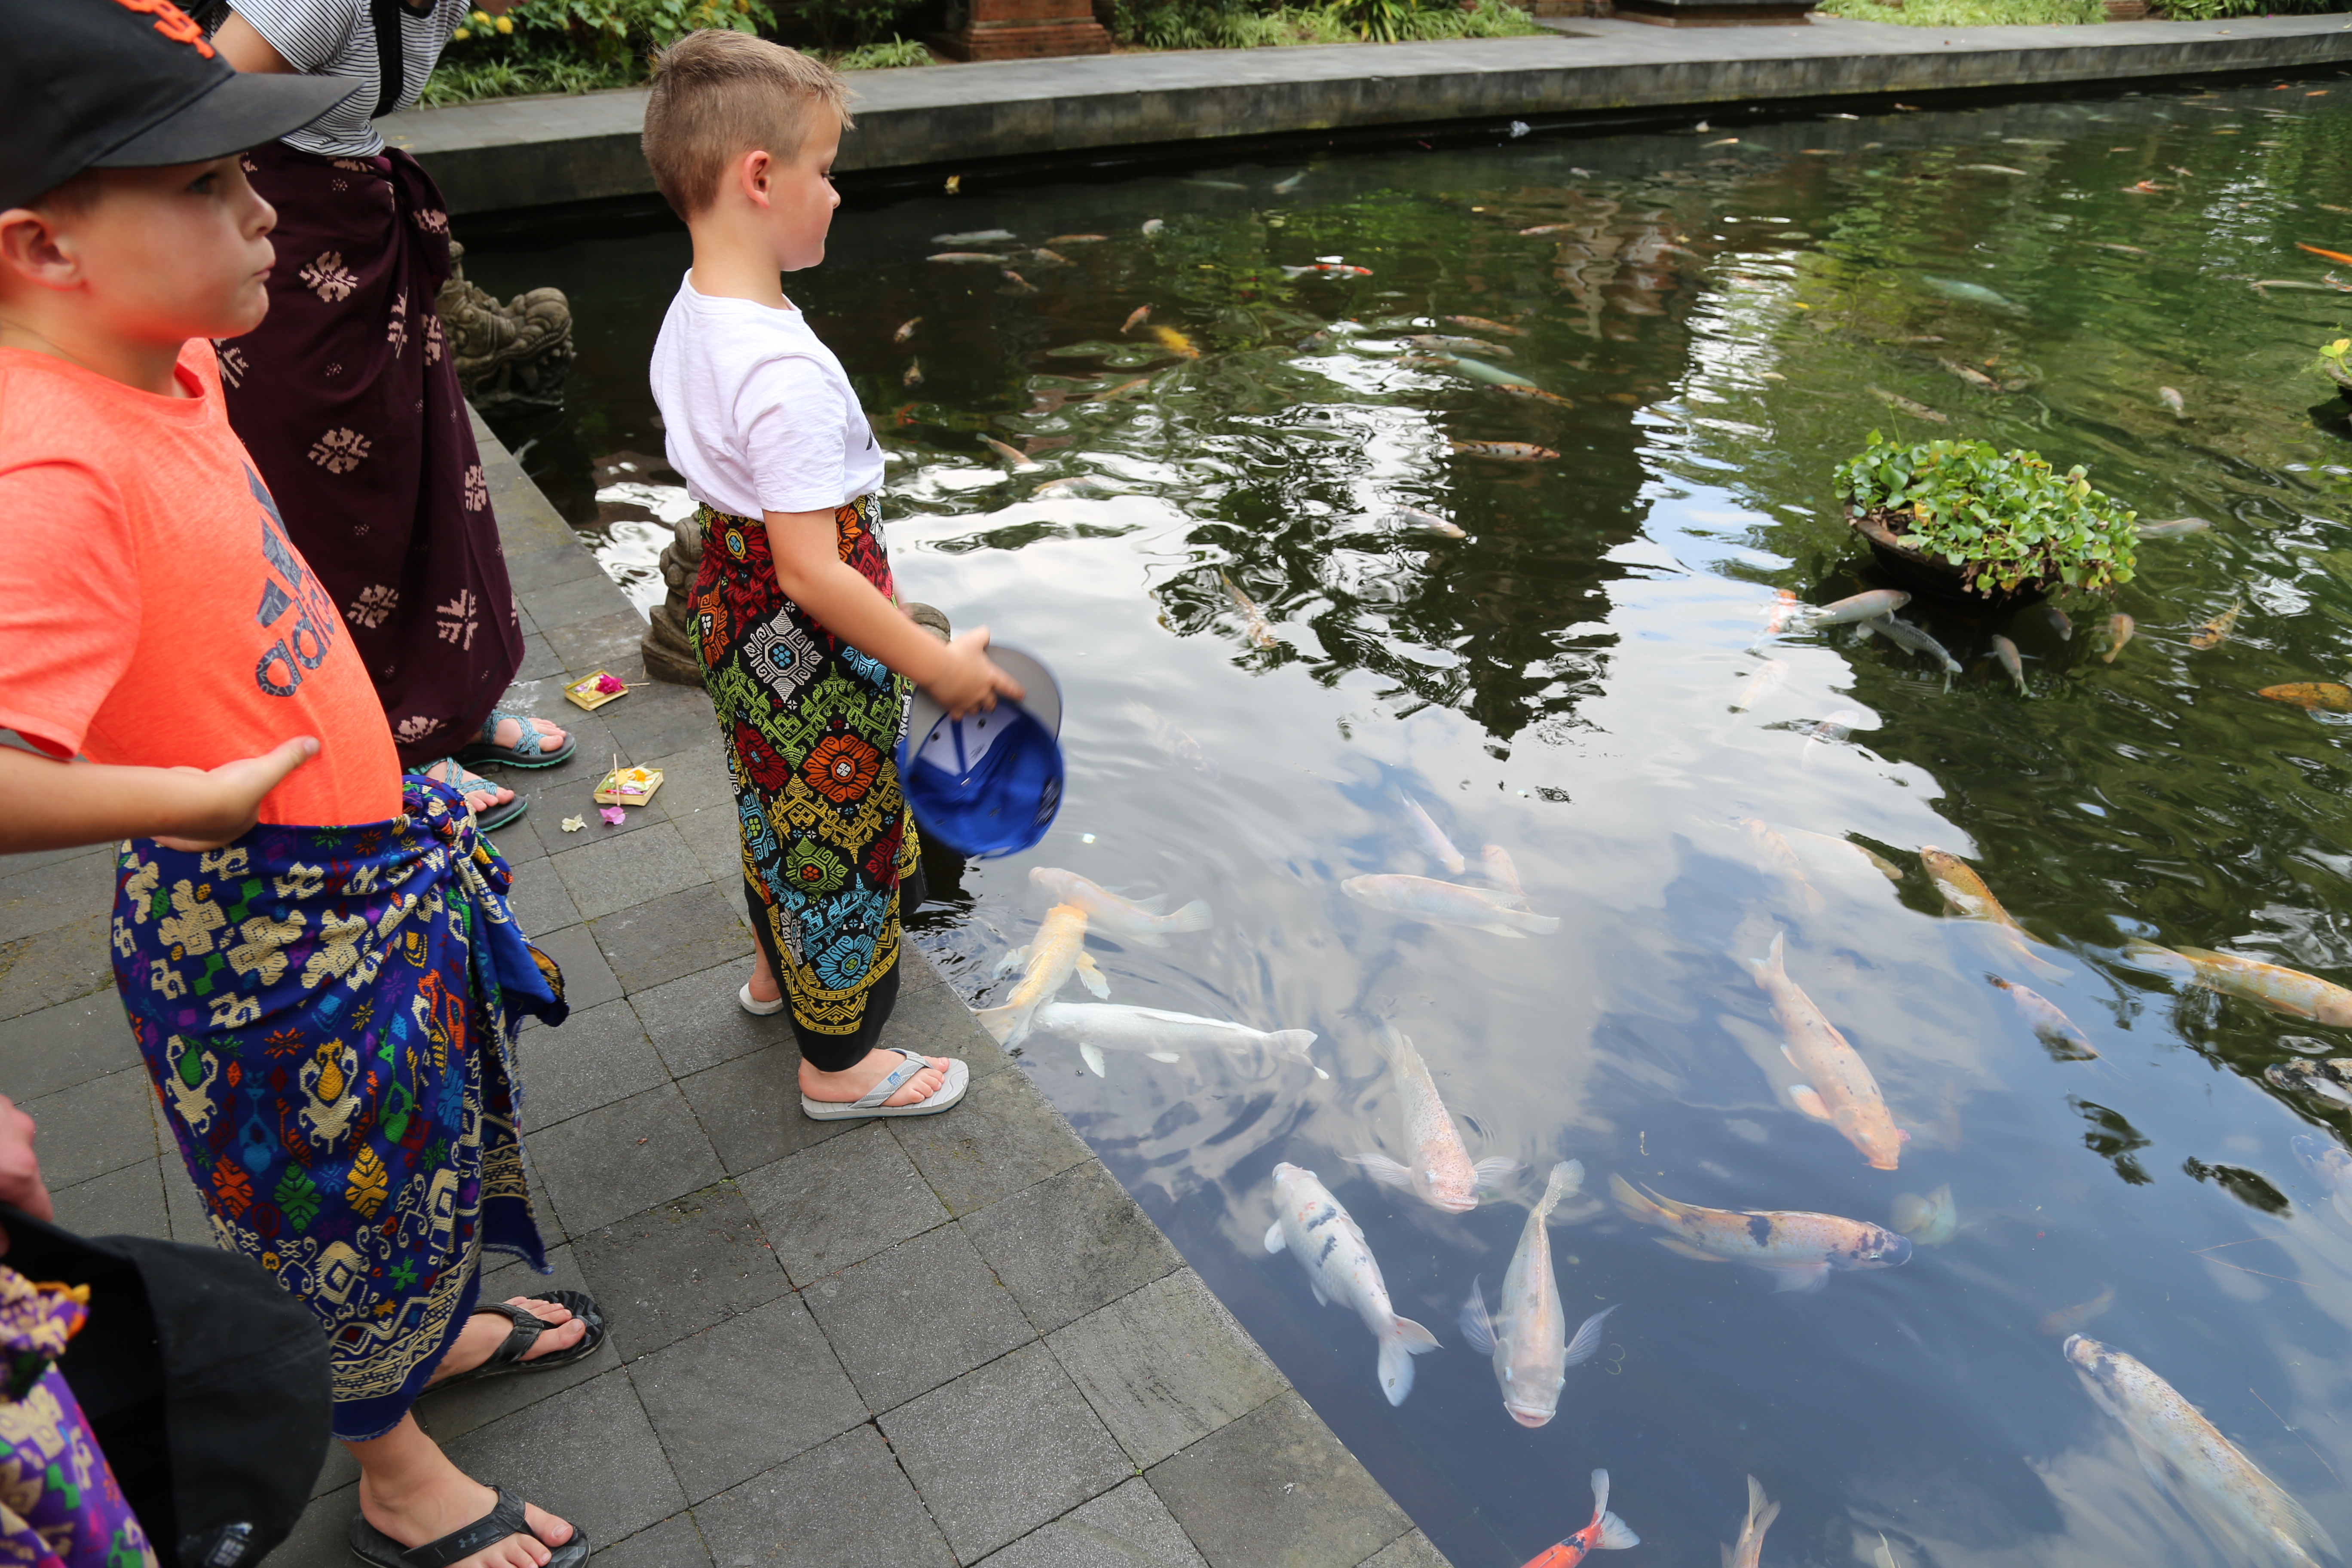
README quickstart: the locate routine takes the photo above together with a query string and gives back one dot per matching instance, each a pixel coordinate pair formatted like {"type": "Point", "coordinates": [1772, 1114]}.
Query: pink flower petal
{"type": "Point", "coordinates": [613, 816]}
{"type": "Point", "coordinates": [611, 683]}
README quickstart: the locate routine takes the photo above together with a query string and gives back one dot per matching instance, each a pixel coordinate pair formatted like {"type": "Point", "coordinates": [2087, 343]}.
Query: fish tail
{"type": "Point", "coordinates": [1406, 1340]}
{"type": "Point", "coordinates": [1565, 1178]}
{"type": "Point", "coordinates": [1393, 1044]}
{"type": "Point", "coordinates": [1647, 1207]}
{"type": "Point", "coordinates": [1770, 968]}
{"type": "Point", "coordinates": [1193, 916]}
{"type": "Point", "coordinates": [1293, 1042]}
{"type": "Point", "coordinates": [1609, 1532]}
{"type": "Point", "coordinates": [1007, 1024]}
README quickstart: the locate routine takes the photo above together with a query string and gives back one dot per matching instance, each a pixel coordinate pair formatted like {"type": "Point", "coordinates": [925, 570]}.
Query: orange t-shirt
{"type": "Point", "coordinates": [153, 610]}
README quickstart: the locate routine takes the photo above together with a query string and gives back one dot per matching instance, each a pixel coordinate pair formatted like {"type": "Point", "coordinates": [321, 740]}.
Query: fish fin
{"type": "Point", "coordinates": [1194, 916]}
{"type": "Point", "coordinates": [1294, 1042]}
{"type": "Point", "coordinates": [1395, 1370]}
{"type": "Point", "coordinates": [1163, 1055]}
{"type": "Point", "coordinates": [1587, 1343]}
{"type": "Point", "coordinates": [1322, 1297]}
{"type": "Point", "coordinates": [1766, 1515]}
{"type": "Point", "coordinates": [1489, 1171]}
{"type": "Point", "coordinates": [1153, 905]}
{"type": "Point", "coordinates": [1562, 1182]}
{"type": "Point", "coordinates": [1476, 1327]}
{"type": "Point", "coordinates": [1757, 1517]}
{"type": "Point", "coordinates": [1274, 1242]}
{"type": "Point", "coordinates": [1812, 1276]}
{"type": "Point", "coordinates": [1009, 962]}
{"type": "Point", "coordinates": [1644, 1206]}
{"type": "Point", "coordinates": [1090, 975]}
{"type": "Point", "coordinates": [1092, 1056]}
{"type": "Point", "coordinates": [1510, 932]}
{"type": "Point", "coordinates": [1381, 1169]}
{"type": "Point", "coordinates": [1417, 1340]}
{"type": "Point", "coordinates": [1677, 1245]}
{"type": "Point", "coordinates": [2040, 965]}
{"type": "Point", "coordinates": [1393, 1044]}
{"type": "Point", "coordinates": [1769, 968]}
{"type": "Point", "coordinates": [1805, 1099]}
{"type": "Point", "coordinates": [1006, 1024]}
{"type": "Point", "coordinates": [1615, 1535]}
{"type": "Point", "coordinates": [1143, 938]}
{"type": "Point", "coordinates": [1728, 1558]}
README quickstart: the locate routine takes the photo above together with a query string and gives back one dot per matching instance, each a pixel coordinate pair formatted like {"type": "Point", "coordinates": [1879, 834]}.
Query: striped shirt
{"type": "Point", "coordinates": [336, 37]}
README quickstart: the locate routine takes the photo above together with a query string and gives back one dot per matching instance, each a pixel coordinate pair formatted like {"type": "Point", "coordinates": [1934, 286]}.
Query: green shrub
{"type": "Point", "coordinates": [2003, 518]}
{"type": "Point", "coordinates": [572, 45]}
{"type": "Point", "coordinates": [898, 52]}
{"type": "Point", "coordinates": [1235, 24]}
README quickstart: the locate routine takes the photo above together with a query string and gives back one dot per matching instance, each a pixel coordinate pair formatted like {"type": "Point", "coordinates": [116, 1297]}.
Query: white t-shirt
{"type": "Point", "coordinates": [336, 37]}
{"type": "Point", "coordinates": [757, 415]}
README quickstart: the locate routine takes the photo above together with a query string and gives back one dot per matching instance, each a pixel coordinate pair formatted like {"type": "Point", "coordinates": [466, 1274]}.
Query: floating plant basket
{"type": "Point", "coordinates": [1932, 577]}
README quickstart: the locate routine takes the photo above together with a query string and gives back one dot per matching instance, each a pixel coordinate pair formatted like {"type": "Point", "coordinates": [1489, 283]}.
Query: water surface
{"type": "Point", "coordinates": [1724, 319]}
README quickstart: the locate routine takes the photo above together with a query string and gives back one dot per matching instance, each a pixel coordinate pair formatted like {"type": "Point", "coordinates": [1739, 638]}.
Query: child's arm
{"type": "Point", "coordinates": [810, 570]}
{"type": "Point", "coordinates": [55, 806]}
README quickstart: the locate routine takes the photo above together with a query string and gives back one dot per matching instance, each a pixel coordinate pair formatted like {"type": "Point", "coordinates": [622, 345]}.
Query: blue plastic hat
{"type": "Point", "coordinates": [988, 783]}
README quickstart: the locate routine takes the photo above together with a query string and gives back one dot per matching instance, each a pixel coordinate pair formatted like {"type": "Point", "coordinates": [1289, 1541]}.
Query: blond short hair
{"type": "Point", "coordinates": [717, 95]}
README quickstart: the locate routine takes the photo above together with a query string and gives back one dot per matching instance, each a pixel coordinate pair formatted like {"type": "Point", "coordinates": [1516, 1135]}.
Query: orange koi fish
{"type": "Point", "coordinates": [1481, 324]}
{"type": "Point", "coordinates": [1328, 269]}
{"type": "Point", "coordinates": [2308, 695]}
{"type": "Point", "coordinates": [2216, 632]}
{"type": "Point", "coordinates": [1135, 319]}
{"type": "Point", "coordinates": [2331, 255]}
{"type": "Point", "coordinates": [1607, 1533]}
{"type": "Point", "coordinates": [1533, 394]}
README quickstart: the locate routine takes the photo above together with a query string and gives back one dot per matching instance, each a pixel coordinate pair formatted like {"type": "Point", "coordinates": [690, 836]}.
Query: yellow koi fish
{"type": "Point", "coordinates": [2216, 632]}
{"type": "Point", "coordinates": [1175, 342]}
{"type": "Point", "coordinates": [1058, 953]}
{"type": "Point", "coordinates": [2311, 695]}
{"type": "Point", "coordinates": [1843, 1093]}
{"type": "Point", "coordinates": [1774, 856]}
{"type": "Point", "coordinates": [2272, 985]}
{"type": "Point", "coordinates": [1801, 1247]}
{"type": "Point", "coordinates": [1966, 896]}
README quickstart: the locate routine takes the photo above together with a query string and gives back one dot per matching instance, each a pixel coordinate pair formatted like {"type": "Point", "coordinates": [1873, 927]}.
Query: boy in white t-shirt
{"type": "Point", "coordinates": [803, 649]}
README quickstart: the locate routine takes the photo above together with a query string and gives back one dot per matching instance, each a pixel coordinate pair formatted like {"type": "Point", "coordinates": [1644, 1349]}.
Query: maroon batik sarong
{"type": "Point", "coordinates": [347, 397]}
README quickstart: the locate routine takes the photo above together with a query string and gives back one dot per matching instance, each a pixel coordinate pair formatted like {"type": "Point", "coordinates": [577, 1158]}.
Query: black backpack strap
{"type": "Point", "coordinates": [391, 63]}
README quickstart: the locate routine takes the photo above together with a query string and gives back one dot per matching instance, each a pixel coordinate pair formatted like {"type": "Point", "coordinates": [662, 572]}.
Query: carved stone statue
{"type": "Point", "coordinates": [509, 356]}
{"type": "Point", "coordinates": [668, 646]}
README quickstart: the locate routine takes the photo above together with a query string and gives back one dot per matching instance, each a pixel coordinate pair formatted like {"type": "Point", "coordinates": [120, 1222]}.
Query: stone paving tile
{"type": "Point", "coordinates": [95, 1127]}
{"type": "Point", "coordinates": [128, 1202]}
{"type": "Point", "coordinates": [1074, 1242]}
{"type": "Point", "coordinates": [625, 869]}
{"type": "Point", "coordinates": [1165, 1366]}
{"type": "Point", "coordinates": [1001, 1137]}
{"type": "Point", "coordinates": [751, 1108]}
{"type": "Point", "coordinates": [450, 1413]}
{"type": "Point", "coordinates": [608, 641]}
{"type": "Point", "coordinates": [745, 1395]}
{"type": "Point", "coordinates": [694, 779]}
{"type": "Point", "coordinates": [665, 938]}
{"type": "Point", "coordinates": [622, 1158]}
{"type": "Point", "coordinates": [541, 902]}
{"type": "Point", "coordinates": [695, 1022]}
{"type": "Point", "coordinates": [1002, 1449]}
{"type": "Point", "coordinates": [1275, 1490]}
{"type": "Point", "coordinates": [61, 1047]}
{"type": "Point", "coordinates": [912, 1318]}
{"type": "Point", "coordinates": [567, 604]}
{"type": "Point", "coordinates": [675, 1542]}
{"type": "Point", "coordinates": [539, 663]}
{"type": "Point", "coordinates": [678, 1267]}
{"type": "Point", "coordinates": [841, 1202]}
{"type": "Point", "coordinates": [1410, 1550]}
{"type": "Point", "coordinates": [1127, 1525]}
{"type": "Point", "coordinates": [588, 1455]}
{"type": "Point", "coordinates": [59, 893]}
{"type": "Point", "coordinates": [517, 844]}
{"type": "Point", "coordinates": [320, 1538]}
{"type": "Point", "coordinates": [600, 1055]}
{"type": "Point", "coordinates": [53, 967]}
{"type": "Point", "coordinates": [189, 1221]}
{"type": "Point", "coordinates": [661, 720]}
{"type": "Point", "coordinates": [533, 571]}
{"type": "Point", "coordinates": [844, 1503]}
{"type": "Point", "coordinates": [588, 980]}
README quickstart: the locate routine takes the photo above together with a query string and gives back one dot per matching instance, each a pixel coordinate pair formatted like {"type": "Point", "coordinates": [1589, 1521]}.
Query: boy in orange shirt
{"type": "Point", "coordinates": [325, 1002]}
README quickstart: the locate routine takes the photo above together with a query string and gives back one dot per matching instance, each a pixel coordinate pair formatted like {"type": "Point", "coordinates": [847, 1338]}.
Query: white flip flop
{"type": "Point", "coordinates": [760, 1009]}
{"type": "Point", "coordinates": [870, 1102]}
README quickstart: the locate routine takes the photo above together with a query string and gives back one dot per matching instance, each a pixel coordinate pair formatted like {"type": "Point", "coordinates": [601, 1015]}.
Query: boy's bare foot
{"type": "Point", "coordinates": [851, 1083]}
{"type": "Point", "coordinates": [485, 1331]}
{"type": "Point", "coordinates": [410, 1491]}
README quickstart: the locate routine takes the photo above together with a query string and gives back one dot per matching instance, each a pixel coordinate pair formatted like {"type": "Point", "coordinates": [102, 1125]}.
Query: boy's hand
{"type": "Point", "coordinates": [968, 678]}
{"type": "Point", "coordinates": [224, 806]}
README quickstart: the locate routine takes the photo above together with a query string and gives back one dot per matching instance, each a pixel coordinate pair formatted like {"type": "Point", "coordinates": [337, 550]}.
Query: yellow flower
{"type": "Point", "coordinates": [506, 24]}
{"type": "Point", "coordinates": [480, 18]}
{"type": "Point", "coordinates": [461, 34]}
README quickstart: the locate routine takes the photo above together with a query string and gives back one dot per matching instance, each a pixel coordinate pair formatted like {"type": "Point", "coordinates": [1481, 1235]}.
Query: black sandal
{"type": "Point", "coordinates": [373, 1547]}
{"type": "Point", "coordinates": [527, 1326]}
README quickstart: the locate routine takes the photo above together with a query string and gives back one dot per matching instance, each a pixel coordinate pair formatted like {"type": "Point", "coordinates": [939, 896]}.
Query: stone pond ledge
{"type": "Point", "coordinates": [941, 1341]}
{"type": "Point", "coordinates": [525, 152]}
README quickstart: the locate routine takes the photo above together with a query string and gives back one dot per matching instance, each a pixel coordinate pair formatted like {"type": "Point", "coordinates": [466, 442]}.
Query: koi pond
{"type": "Point", "coordinates": [1303, 577]}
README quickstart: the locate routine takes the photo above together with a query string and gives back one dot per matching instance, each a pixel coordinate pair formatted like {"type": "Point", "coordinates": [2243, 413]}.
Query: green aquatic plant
{"type": "Point", "coordinates": [2332, 364]}
{"type": "Point", "coordinates": [2003, 518]}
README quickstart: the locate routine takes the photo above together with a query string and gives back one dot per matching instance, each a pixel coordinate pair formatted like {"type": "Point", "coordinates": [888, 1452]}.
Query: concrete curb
{"type": "Point", "coordinates": [528, 153]}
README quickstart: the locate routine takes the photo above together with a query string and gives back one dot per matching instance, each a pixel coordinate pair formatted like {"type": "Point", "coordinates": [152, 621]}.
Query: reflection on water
{"type": "Point", "coordinates": [1226, 524]}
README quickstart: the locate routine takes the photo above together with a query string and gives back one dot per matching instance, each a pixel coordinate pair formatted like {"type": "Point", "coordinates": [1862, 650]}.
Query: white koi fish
{"type": "Point", "coordinates": [1163, 1037]}
{"type": "Point", "coordinates": [1446, 903]}
{"type": "Point", "coordinates": [1843, 1093]}
{"type": "Point", "coordinates": [1801, 1248]}
{"type": "Point", "coordinates": [1749, 1552]}
{"type": "Point", "coordinates": [2185, 1456]}
{"type": "Point", "coordinates": [1136, 922]}
{"type": "Point", "coordinates": [1530, 1344]}
{"type": "Point", "coordinates": [1059, 951]}
{"type": "Point", "coordinates": [1497, 861]}
{"type": "Point", "coordinates": [1433, 837]}
{"type": "Point", "coordinates": [1341, 1267]}
{"type": "Point", "coordinates": [1441, 1175]}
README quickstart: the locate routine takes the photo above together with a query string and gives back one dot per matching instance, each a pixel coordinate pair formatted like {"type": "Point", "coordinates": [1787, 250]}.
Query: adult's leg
{"type": "Point", "coordinates": [838, 1070]}
{"type": "Point", "coordinates": [411, 1491]}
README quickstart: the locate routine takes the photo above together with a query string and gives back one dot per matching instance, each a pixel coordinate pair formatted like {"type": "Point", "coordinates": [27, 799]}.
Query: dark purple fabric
{"type": "Point", "coordinates": [347, 397]}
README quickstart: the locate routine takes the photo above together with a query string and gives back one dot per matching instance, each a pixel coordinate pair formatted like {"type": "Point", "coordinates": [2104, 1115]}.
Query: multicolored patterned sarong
{"type": "Point", "coordinates": [59, 1504]}
{"type": "Point", "coordinates": [811, 728]}
{"type": "Point", "coordinates": [326, 1013]}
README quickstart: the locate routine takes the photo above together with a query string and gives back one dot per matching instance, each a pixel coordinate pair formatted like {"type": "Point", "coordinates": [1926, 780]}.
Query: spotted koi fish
{"type": "Point", "coordinates": [1607, 1533]}
{"type": "Point", "coordinates": [1341, 1267]}
{"type": "Point", "coordinates": [1802, 1248]}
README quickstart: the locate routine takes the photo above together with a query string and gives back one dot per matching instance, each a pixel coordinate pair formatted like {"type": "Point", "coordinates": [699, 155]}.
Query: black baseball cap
{"type": "Point", "coordinates": [132, 84]}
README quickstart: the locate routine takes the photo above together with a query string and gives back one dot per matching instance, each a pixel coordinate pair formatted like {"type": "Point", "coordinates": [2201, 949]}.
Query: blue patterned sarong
{"type": "Point", "coordinates": [327, 1013]}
